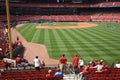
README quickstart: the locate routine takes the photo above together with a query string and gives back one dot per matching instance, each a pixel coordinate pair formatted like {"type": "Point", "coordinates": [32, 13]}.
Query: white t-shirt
{"type": "Point", "coordinates": [117, 65]}
{"type": "Point", "coordinates": [81, 62]}
{"type": "Point", "coordinates": [37, 62]}
{"type": "Point", "coordinates": [99, 67]}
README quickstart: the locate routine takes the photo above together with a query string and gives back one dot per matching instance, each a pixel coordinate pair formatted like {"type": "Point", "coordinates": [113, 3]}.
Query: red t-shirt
{"type": "Point", "coordinates": [75, 61]}
{"type": "Point", "coordinates": [63, 60]}
{"type": "Point", "coordinates": [3, 64]}
{"type": "Point", "coordinates": [49, 76]}
{"type": "Point", "coordinates": [18, 60]}
{"type": "Point", "coordinates": [84, 71]}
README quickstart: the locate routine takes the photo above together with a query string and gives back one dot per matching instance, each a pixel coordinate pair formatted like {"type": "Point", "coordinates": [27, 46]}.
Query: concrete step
{"type": "Point", "coordinates": [70, 77]}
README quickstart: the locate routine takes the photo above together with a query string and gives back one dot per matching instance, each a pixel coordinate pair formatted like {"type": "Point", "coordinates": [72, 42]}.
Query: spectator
{"type": "Point", "coordinates": [42, 63]}
{"type": "Point", "coordinates": [117, 65]}
{"type": "Point", "coordinates": [92, 63]}
{"type": "Point", "coordinates": [99, 67]}
{"type": "Point", "coordinates": [19, 44]}
{"type": "Point", "coordinates": [97, 62]}
{"type": "Point", "coordinates": [6, 52]}
{"type": "Point", "coordinates": [62, 63]}
{"type": "Point", "coordinates": [58, 73]}
{"type": "Point", "coordinates": [17, 38]}
{"type": "Point", "coordinates": [24, 63]}
{"type": "Point", "coordinates": [84, 71]}
{"type": "Point", "coordinates": [0, 72]}
{"type": "Point", "coordinates": [3, 65]}
{"type": "Point", "coordinates": [105, 68]}
{"type": "Point", "coordinates": [103, 63]}
{"type": "Point", "coordinates": [75, 63]}
{"type": "Point", "coordinates": [81, 63]}
{"type": "Point", "coordinates": [14, 45]}
{"type": "Point", "coordinates": [37, 63]}
{"type": "Point", "coordinates": [18, 59]}
{"type": "Point", "coordinates": [49, 75]}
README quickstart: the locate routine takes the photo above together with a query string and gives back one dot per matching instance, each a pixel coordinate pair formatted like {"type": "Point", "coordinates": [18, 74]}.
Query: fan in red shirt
{"type": "Point", "coordinates": [62, 63]}
{"type": "Point", "coordinates": [18, 59]}
{"type": "Point", "coordinates": [84, 71]}
{"type": "Point", "coordinates": [49, 75]}
{"type": "Point", "coordinates": [75, 63]}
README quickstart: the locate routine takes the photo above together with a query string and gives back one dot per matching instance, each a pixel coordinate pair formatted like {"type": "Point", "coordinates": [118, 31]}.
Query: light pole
{"type": "Point", "coordinates": [9, 29]}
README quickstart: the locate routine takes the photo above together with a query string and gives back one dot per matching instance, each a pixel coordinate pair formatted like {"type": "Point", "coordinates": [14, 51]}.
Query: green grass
{"type": "Point", "coordinates": [97, 43]}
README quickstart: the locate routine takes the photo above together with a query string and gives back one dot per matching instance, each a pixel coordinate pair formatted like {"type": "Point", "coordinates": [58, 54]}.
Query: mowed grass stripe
{"type": "Point", "coordinates": [67, 44]}
{"type": "Point", "coordinates": [35, 38]}
{"type": "Point", "coordinates": [47, 37]}
{"type": "Point", "coordinates": [110, 52]}
{"type": "Point", "coordinates": [52, 37]}
{"type": "Point", "coordinates": [90, 51]}
{"type": "Point", "coordinates": [98, 38]}
{"type": "Point", "coordinates": [106, 42]}
{"type": "Point", "coordinates": [70, 38]}
{"type": "Point", "coordinates": [47, 41]}
{"type": "Point", "coordinates": [63, 49]}
{"type": "Point", "coordinates": [28, 31]}
{"type": "Point", "coordinates": [25, 26]}
{"type": "Point", "coordinates": [80, 49]}
{"type": "Point", "coordinates": [106, 32]}
{"type": "Point", "coordinates": [41, 36]}
{"type": "Point", "coordinates": [100, 48]}
{"type": "Point", "coordinates": [31, 32]}
{"type": "Point", "coordinates": [103, 26]}
{"type": "Point", "coordinates": [111, 38]}
{"type": "Point", "coordinates": [53, 45]}
{"type": "Point", "coordinates": [94, 42]}
{"type": "Point", "coordinates": [96, 34]}
{"type": "Point", "coordinates": [112, 44]}
{"type": "Point", "coordinates": [58, 40]}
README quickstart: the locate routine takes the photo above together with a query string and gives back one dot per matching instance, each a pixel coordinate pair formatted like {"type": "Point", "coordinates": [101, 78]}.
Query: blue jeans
{"type": "Point", "coordinates": [76, 69]}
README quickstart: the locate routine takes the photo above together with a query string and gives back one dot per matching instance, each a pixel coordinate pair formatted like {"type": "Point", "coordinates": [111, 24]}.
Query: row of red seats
{"type": "Point", "coordinates": [26, 75]}
{"type": "Point", "coordinates": [111, 74]}
{"type": "Point", "coordinates": [51, 17]}
{"type": "Point", "coordinates": [107, 17]}
{"type": "Point", "coordinates": [104, 78]}
{"type": "Point", "coordinates": [107, 4]}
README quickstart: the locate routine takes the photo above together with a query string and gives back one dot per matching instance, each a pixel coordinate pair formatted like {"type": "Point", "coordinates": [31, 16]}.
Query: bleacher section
{"type": "Point", "coordinates": [106, 17]}
{"type": "Point", "coordinates": [31, 74]}
{"type": "Point", "coordinates": [111, 74]}
{"type": "Point", "coordinates": [25, 75]}
{"type": "Point", "coordinates": [63, 12]}
{"type": "Point", "coordinates": [100, 17]}
{"type": "Point", "coordinates": [3, 41]}
{"type": "Point", "coordinates": [49, 18]}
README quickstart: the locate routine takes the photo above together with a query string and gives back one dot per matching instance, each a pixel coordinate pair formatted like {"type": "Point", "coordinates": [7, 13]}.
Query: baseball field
{"type": "Point", "coordinates": [99, 42]}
